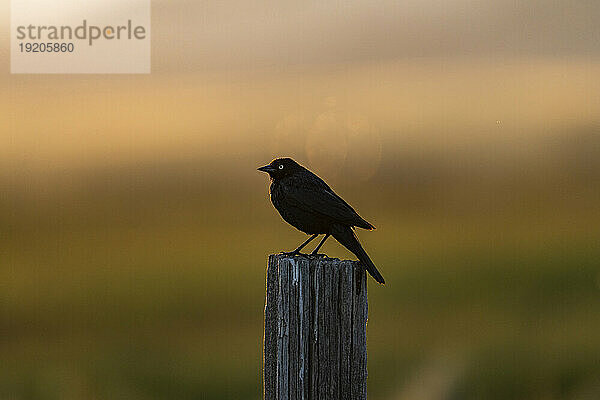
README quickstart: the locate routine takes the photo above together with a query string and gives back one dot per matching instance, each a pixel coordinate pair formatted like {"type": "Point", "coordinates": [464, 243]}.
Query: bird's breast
{"type": "Point", "coordinates": [299, 217]}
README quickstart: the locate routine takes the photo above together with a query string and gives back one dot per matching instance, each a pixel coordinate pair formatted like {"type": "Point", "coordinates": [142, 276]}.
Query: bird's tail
{"type": "Point", "coordinates": [345, 235]}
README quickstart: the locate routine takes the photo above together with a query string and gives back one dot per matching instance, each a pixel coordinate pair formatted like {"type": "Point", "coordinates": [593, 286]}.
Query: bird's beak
{"type": "Point", "coordinates": [267, 168]}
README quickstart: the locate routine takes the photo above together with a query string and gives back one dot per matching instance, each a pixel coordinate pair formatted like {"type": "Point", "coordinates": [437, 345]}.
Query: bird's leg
{"type": "Point", "coordinates": [316, 250]}
{"type": "Point", "coordinates": [297, 251]}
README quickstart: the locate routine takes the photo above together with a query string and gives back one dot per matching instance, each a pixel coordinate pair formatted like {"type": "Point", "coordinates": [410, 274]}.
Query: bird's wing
{"type": "Point", "coordinates": [315, 196]}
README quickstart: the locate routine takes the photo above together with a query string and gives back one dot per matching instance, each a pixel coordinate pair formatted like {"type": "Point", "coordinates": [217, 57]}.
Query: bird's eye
{"type": "Point", "coordinates": [280, 166]}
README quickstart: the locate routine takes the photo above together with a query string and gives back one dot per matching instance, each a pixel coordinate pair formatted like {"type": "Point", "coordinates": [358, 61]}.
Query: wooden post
{"type": "Point", "coordinates": [315, 345]}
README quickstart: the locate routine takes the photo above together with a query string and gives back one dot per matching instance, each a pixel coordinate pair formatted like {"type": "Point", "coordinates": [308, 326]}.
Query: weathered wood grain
{"type": "Point", "coordinates": [359, 336]}
{"type": "Point", "coordinates": [270, 338]}
{"type": "Point", "coordinates": [346, 294]}
{"type": "Point", "coordinates": [314, 361]}
{"type": "Point", "coordinates": [283, 316]}
{"type": "Point", "coordinates": [305, 329]}
{"type": "Point", "coordinates": [333, 278]}
{"type": "Point", "coordinates": [323, 339]}
{"type": "Point", "coordinates": [294, 336]}
{"type": "Point", "coordinates": [315, 329]}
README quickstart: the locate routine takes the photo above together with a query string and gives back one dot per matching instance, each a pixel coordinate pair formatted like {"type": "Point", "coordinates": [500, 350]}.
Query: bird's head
{"type": "Point", "coordinates": [281, 167]}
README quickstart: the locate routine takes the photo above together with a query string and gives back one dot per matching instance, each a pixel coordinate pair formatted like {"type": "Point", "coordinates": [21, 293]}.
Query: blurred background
{"type": "Point", "coordinates": [135, 227]}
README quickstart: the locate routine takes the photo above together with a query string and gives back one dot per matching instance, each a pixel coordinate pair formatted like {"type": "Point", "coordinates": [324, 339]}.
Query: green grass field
{"type": "Point", "coordinates": [159, 294]}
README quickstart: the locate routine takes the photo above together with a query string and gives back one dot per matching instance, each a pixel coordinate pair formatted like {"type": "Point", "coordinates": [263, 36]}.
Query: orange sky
{"type": "Point", "coordinates": [230, 76]}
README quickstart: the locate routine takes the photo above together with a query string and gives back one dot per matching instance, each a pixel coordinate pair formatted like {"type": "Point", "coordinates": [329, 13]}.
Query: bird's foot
{"type": "Point", "coordinates": [318, 255]}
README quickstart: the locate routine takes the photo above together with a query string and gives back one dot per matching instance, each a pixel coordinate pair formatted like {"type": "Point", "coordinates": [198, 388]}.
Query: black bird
{"type": "Point", "coordinates": [307, 203]}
